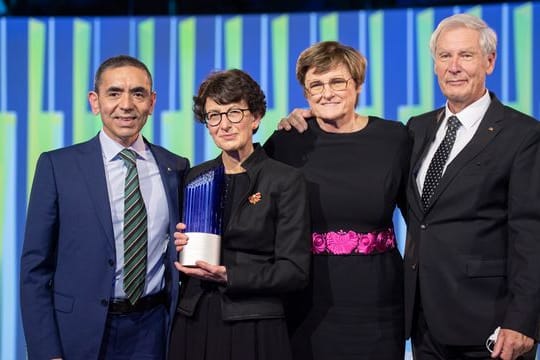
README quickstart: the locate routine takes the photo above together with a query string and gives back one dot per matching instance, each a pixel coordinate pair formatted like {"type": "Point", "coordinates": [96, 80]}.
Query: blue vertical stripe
{"type": "Point", "coordinates": [363, 47]}
{"type": "Point", "coordinates": [96, 45]}
{"type": "Point", "coordinates": [132, 37]}
{"type": "Point", "coordinates": [504, 52]}
{"type": "Point", "coordinates": [3, 65]}
{"type": "Point", "coordinates": [265, 54]}
{"type": "Point", "coordinates": [410, 56]}
{"type": "Point", "coordinates": [10, 257]}
{"type": "Point", "coordinates": [51, 74]}
{"type": "Point", "coordinates": [173, 42]}
{"type": "Point", "coordinates": [313, 29]}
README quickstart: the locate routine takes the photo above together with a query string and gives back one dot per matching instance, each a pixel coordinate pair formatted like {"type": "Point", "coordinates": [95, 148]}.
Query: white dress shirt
{"type": "Point", "coordinates": [470, 120]}
{"type": "Point", "coordinates": [157, 210]}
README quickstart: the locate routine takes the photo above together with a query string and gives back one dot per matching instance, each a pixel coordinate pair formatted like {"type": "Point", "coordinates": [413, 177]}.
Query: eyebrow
{"type": "Point", "coordinates": [337, 77]}
{"type": "Point", "coordinates": [231, 107]}
{"type": "Point", "coordinates": [139, 89]}
{"type": "Point", "coordinates": [133, 90]}
{"type": "Point", "coordinates": [469, 49]}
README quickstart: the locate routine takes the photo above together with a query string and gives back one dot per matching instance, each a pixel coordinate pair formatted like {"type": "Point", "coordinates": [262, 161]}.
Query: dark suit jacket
{"type": "Point", "coordinates": [265, 246]}
{"type": "Point", "coordinates": [68, 257]}
{"type": "Point", "coordinates": [474, 256]}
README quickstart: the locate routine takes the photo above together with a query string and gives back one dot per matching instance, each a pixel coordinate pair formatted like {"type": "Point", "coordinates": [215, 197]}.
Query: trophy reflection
{"type": "Point", "coordinates": [203, 216]}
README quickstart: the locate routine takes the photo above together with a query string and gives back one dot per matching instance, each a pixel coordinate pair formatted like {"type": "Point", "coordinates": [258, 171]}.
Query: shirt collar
{"type": "Point", "coordinates": [473, 113]}
{"type": "Point", "coordinates": [111, 148]}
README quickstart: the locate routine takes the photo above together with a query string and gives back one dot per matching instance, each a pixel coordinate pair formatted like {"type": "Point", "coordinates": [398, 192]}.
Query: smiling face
{"type": "Point", "coordinates": [125, 100]}
{"type": "Point", "coordinates": [234, 139]}
{"type": "Point", "coordinates": [332, 105]}
{"type": "Point", "coordinates": [461, 67]}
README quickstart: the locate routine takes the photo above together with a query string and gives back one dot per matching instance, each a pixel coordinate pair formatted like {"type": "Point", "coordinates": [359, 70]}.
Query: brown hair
{"type": "Point", "coordinates": [327, 54]}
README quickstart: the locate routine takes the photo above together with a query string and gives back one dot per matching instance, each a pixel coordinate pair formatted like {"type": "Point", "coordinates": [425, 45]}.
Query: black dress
{"type": "Point", "coordinates": [353, 308]}
{"type": "Point", "coordinates": [205, 336]}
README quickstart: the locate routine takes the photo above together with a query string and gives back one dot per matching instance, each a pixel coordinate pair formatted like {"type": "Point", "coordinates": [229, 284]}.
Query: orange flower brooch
{"type": "Point", "coordinates": [255, 198]}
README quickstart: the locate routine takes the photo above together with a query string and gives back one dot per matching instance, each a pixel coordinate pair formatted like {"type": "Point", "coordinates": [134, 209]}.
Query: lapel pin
{"type": "Point", "coordinates": [255, 198]}
{"type": "Point", "coordinates": [490, 128]}
{"type": "Point", "coordinates": [169, 169]}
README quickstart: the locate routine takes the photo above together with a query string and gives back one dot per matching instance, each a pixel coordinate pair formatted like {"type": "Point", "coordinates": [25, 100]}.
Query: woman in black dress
{"type": "Point", "coordinates": [356, 168]}
{"type": "Point", "coordinates": [234, 310]}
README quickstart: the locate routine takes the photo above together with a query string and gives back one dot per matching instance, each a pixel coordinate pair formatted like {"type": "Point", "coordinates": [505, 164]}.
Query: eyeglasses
{"type": "Point", "coordinates": [213, 118]}
{"type": "Point", "coordinates": [337, 84]}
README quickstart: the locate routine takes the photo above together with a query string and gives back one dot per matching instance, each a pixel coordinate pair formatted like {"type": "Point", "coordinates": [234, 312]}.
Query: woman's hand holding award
{"type": "Point", "coordinates": [202, 216]}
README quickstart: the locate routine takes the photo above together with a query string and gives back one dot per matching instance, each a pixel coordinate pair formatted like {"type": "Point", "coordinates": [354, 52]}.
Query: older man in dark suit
{"type": "Point", "coordinates": [97, 275]}
{"type": "Point", "coordinates": [472, 256]}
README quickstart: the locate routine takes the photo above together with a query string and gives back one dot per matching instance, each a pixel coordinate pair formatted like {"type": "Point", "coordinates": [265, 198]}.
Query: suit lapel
{"type": "Point", "coordinates": [92, 167]}
{"type": "Point", "coordinates": [488, 129]}
{"type": "Point", "coordinates": [168, 177]}
{"type": "Point", "coordinates": [170, 180]}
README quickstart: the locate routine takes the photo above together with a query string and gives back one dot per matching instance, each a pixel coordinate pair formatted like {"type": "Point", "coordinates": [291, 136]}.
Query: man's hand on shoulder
{"type": "Point", "coordinates": [296, 119]}
{"type": "Point", "coordinates": [511, 344]}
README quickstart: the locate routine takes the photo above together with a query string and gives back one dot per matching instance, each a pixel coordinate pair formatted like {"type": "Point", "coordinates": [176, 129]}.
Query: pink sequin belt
{"type": "Point", "coordinates": [353, 243]}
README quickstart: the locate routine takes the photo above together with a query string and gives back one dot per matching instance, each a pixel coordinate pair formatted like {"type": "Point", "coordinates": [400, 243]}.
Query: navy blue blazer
{"type": "Point", "coordinates": [68, 256]}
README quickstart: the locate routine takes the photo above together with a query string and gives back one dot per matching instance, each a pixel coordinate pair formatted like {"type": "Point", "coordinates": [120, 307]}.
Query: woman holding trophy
{"type": "Point", "coordinates": [231, 306]}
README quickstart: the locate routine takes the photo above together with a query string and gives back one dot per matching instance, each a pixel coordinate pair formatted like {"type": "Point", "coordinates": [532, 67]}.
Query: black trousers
{"type": "Point", "coordinates": [425, 347]}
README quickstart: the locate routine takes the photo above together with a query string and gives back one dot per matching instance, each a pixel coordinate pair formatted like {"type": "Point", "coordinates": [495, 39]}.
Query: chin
{"type": "Point", "coordinates": [227, 147]}
{"type": "Point", "coordinates": [330, 117]}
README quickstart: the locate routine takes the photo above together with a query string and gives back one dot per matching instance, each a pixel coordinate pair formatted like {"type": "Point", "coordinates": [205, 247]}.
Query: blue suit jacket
{"type": "Point", "coordinates": [68, 256]}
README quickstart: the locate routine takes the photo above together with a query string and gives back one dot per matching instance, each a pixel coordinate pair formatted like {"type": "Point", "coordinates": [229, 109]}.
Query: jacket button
{"type": "Point", "coordinates": [413, 266]}
{"type": "Point", "coordinates": [423, 226]}
{"type": "Point", "coordinates": [104, 302]}
{"type": "Point", "coordinates": [111, 262]}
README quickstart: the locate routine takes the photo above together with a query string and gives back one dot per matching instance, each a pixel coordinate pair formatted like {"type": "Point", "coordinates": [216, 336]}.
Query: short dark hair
{"type": "Point", "coordinates": [116, 62]}
{"type": "Point", "coordinates": [228, 86]}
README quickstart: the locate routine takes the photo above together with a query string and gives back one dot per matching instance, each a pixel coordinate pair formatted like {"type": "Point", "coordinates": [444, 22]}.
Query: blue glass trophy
{"type": "Point", "coordinates": [203, 216]}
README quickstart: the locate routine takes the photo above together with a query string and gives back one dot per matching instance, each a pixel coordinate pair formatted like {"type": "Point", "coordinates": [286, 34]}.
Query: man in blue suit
{"type": "Point", "coordinates": [74, 290]}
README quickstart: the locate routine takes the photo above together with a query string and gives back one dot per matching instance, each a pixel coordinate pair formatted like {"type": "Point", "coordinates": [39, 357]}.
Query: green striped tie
{"type": "Point", "coordinates": [135, 230]}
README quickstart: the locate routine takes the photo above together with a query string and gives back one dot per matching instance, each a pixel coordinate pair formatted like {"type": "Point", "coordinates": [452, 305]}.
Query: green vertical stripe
{"type": "Point", "coordinates": [424, 71]}
{"type": "Point", "coordinates": [476, 11]}
{"type": "Point", "coordinates": [233, 43]}
{"type": "Point", "coordinates": [7, 151]}
{"type": "Point", "coordinates": [523, 48]}
{"type": "Point", "coordinates": [280, 77]}
{"type": "Point", "coordinates": [177, 130]}
{"type": "Point", "coordinates": [8, 241]}
{"type": "Point", "coordinates": [44, 129]}
{"type": "Point", "coordinates": [329, 27]}
{"type": "Point", "coordinates": [146, 55]}
{"type": "Point", "coordinates": [375, 69]}
{"type": "Point", "coordinates": [85, 124]}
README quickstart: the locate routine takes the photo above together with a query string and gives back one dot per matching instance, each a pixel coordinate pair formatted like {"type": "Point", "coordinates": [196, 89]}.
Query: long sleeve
{"type": "Point", "coordinates": [290, 269]}
{"type": "Point", "coordinates": [524, 243]}
{"type": "Point", "coordinates": [38, 261]}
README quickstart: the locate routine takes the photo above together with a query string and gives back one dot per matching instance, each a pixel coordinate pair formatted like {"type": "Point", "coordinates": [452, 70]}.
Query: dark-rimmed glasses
{"type": "Point", "coordinates": [337, 84]}
{"type": "Point", "coordinates": [213, 118]}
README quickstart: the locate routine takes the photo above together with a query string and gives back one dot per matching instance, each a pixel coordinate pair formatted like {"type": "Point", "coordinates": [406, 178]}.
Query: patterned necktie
{"type": "Point", "coordinates": [135, 230]}
{"type": "Point", "coordinates": [436, 166]}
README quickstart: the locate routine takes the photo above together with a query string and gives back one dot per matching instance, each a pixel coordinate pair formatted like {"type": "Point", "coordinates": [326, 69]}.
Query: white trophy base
{"type": "Point", "coordinates": [201, 246]}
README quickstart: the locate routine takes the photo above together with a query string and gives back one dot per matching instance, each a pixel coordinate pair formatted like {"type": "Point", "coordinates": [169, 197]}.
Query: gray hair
{"type": "Point", "coordinates": [488, 37]}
